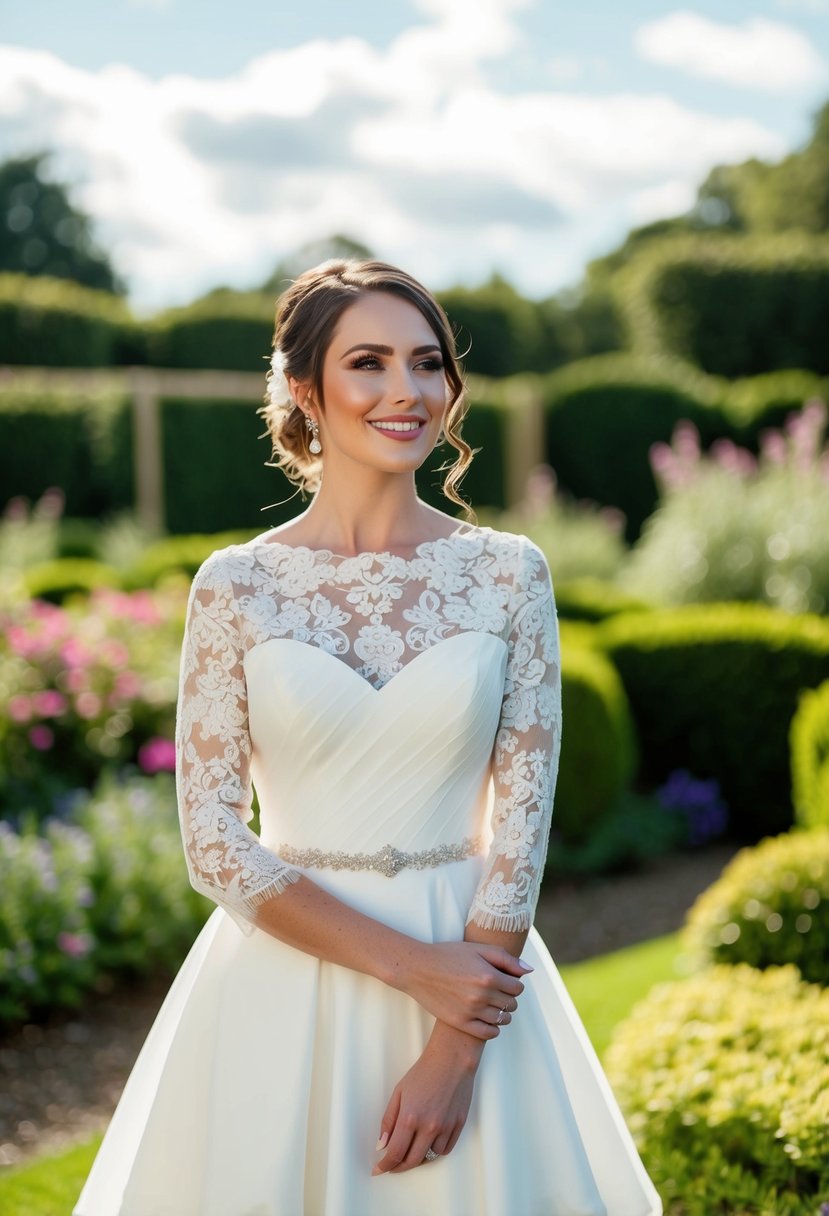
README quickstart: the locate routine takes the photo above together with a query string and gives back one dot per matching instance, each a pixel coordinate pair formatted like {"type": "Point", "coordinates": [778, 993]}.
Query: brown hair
{"type": "Point", "coordinates": [307, 315]}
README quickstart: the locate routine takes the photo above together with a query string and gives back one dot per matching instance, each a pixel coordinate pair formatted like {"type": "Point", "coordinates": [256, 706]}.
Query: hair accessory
{"type": "Point", "coordinates": [314, 446]}
{"type": "Point", "coordinates": [279, 395]}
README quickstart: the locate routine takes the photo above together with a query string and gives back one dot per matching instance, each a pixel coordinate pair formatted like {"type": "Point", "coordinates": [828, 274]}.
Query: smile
{"type": "Point", "coordinates": [404, 427]}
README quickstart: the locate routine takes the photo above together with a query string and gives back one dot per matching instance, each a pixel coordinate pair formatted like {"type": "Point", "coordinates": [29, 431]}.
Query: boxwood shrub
{"type": "Point", "coordinates": [810, 757]}
{"type": "Point", "coordinates": [598, 750]}
{"type": "Point", "coordinates": [592, 599]}
{"type": "Point", "coordinates": [770, 906]}
{"type": "Point", "coordinates": [56, 323]}
{"type": "Point", "coordinates": [713, 689]}
{"type": "Point", "coordinates": [228, 330]}
{"type": "Point", "coordinates": [724, 1080]}
{"type": "Point", "coordinates": [65, 576]}
{"type": "Point", "coordinates": [771, 292]}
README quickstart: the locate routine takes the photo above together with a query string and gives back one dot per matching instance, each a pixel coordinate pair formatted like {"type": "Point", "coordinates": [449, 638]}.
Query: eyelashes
{"type": "Point", "coordinates": [370, 361]}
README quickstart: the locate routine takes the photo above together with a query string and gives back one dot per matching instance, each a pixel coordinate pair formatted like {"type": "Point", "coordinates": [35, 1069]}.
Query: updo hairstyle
{"type": "Point", "coordinates": [306, 317]}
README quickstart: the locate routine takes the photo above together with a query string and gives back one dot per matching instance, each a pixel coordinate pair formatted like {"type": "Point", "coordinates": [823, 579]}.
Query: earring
{"type": "Point", "coordinates": [314, 446]}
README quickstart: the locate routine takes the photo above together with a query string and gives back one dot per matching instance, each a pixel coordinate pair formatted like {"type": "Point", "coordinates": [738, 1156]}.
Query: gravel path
{"type": "Point", "coordinates": [60, 1082]}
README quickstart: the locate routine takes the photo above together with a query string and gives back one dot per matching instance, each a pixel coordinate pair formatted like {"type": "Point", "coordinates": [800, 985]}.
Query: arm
{"type": "Point", "coordinates": [460, 983]}
{"type": "Point", "coordinates": [434, 1095]}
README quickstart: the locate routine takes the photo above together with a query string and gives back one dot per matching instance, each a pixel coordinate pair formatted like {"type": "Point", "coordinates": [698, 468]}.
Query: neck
{"type": "Point", "coordinates": [368, 511]}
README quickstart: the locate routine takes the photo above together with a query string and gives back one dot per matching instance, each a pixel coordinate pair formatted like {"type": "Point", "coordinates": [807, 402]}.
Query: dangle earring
{"type": "Point", "coordinates": [313, 426]}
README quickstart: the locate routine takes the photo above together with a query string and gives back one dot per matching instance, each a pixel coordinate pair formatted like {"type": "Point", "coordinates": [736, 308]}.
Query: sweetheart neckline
{"type": "Point", "coordinates": [362, 679]}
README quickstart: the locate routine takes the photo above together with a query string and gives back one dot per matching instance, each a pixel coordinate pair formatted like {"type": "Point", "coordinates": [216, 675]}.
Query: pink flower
{"type": "Point", "coordinates": [115, 653]}
{"type": "Point", "coordinates": [158, 756]}
{"type": "Point", "coordinates": [20, 708]}
{"type": "Point", "coordinates": [50, 703]}
{"type": "Point", "coordinates": [76, 945]}
{"type": "Point", "coordinates": [127, 685]}
{"type": "Point", "coordinates": [74, 654]}
{"type": "Point", "coordinates": [88, 705]}
{"type": "Point", "coordinates": [41, 737]}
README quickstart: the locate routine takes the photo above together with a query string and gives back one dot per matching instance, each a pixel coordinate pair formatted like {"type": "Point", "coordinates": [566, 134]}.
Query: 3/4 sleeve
{"type": "Point", "coordinates": [225, 859]}
{"type": "Point", "coordinates": [526, 753]}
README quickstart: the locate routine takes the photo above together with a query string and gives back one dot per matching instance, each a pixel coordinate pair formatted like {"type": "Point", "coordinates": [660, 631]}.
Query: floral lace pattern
{"type": "Point", "coordinates": [375, 611]}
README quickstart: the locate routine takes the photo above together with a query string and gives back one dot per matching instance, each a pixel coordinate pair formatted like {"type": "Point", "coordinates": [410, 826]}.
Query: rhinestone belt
{"type": "Point", "coordinates": [388, 860]}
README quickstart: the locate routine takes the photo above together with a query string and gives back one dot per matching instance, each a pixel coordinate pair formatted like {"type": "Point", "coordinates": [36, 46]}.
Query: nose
{"type": "Point", "coordinates": [404, 386]}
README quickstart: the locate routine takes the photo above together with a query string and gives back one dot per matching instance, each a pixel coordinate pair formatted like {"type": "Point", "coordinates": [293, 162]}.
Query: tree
{"type": "Point", "coordinates": [311, 254]}
{"type": "Point", "coordinates": [41, 233]}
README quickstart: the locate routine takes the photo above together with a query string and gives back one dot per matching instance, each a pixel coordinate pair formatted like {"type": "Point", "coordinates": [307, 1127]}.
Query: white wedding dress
{"type": "Point", "coordinates": [400, 719]}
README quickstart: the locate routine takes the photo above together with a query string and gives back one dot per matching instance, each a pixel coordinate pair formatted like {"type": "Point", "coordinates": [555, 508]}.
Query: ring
{"type": "Point", "coordinates": [431, 1155]}
{"type": "Point", "coordinates": [500, 1017]}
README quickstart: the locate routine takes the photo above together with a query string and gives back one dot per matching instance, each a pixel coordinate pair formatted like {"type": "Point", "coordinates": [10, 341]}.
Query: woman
{"type": "Point", "coordinates": [387, 1034]}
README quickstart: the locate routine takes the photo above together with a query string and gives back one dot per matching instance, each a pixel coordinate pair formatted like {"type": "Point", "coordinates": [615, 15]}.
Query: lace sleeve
{"type": "Point", "coordinates": [225, 859]}
{"type": "Point", "coordinates": [526, 754]}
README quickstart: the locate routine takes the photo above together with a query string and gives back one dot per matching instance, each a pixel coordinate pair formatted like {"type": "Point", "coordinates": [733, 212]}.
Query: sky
{"type": "Point", "coordinates": [455, 138]}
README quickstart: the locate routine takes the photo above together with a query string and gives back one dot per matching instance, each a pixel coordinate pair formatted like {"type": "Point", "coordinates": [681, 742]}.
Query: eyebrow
{"type": "Point", "coordinates": [377, 349]}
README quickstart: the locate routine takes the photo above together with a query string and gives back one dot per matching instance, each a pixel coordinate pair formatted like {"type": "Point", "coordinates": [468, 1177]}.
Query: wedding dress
{"type": "Point", "coordinates": [400, 720]}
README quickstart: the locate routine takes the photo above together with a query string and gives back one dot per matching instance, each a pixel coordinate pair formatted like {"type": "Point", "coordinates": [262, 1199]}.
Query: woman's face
{"type": "Point", "coordinates": [384, 387]}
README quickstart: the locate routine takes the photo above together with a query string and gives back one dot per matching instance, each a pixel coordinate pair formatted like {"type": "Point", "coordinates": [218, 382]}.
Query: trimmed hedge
{"type": "Point", "coordinates": [770, 906]}
{"type": "Point", "coordinates": [55, 323]}
{"type": "Point", "coordinates": [79, 441]}
{"type": "Point", "coordinates": [713, 689]}
{"type": "Point", "coordinates": [598, 745]}
{"type": "Point", "coordinates": [724, 1081]}
{"type": "Point", "coordinates": [733, 305]}
{"type": "Point", "coordinates": [592, 600]}
{"type": "Point", "coordinates": [227, 330]}
{"type": "Point", "coordinates": [56, 580]}
{"type": "Point", "coordinates": [809, 740]}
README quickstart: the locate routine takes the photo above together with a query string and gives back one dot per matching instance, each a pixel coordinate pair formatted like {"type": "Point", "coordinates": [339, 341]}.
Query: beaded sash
{"type": "Point", "coordinates": [387, 861]}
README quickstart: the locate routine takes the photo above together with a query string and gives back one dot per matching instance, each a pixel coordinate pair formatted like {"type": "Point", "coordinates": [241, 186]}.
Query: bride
{"type": "Point", "coordinates": [368, 1024]}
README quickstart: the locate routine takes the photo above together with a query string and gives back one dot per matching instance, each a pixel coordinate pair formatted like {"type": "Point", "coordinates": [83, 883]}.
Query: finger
{"type": "Point", "coordinates": [482, 1029]}
{"type": "Point", "coordinates": [440, 1142]}
{"type": "Point", "coordinates": [417, 1153]}
{"type": "Point", "coordinates": [399, 1145]}
{"type": "Point", "coordinates": [387, 1123]}
{"type": "Point", "coordinates": [504, 961]}
{"type": "Point", "coordinates": [454, 1137]}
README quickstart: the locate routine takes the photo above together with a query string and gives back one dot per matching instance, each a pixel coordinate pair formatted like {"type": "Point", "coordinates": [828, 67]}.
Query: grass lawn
{"type": "Point", "coordinates": [604, 990]}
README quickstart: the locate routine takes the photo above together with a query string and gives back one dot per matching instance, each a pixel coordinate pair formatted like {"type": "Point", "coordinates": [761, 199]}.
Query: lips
{"type": "Point", "coordinates": [398, 426]}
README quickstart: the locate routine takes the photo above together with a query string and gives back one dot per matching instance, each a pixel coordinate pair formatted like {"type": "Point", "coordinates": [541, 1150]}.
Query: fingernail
{"type": "Point", "coordinates": [382, 1142]}
{"type": "Point", "coordinates": [526, 966]}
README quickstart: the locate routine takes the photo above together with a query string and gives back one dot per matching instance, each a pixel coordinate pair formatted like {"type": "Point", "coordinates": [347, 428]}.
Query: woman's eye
{"type": "Point", "coordinates": [432, 365]}
{"type": "Point", "coordinates": [366, 361]}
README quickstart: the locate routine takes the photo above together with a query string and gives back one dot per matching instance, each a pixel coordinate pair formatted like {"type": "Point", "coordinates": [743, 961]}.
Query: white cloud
{"type": "Point", "coordinates": [758, 54]}
{"type": "Point", "coordinates": [407, 147]}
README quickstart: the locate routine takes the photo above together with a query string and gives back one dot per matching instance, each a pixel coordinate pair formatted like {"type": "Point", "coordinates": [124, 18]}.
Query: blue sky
{"type": "Point", "coordinates": [454, 137]}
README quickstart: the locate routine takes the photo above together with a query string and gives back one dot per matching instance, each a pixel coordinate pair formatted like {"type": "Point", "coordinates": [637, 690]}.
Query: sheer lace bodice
{"type": "Point", "coordinates": [377, 613]}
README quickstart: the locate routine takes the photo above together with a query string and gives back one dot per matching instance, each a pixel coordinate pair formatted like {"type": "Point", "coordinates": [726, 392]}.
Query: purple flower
{"type": "Point", "coordinates": [41, 737]}
{"type": "Point", "coordinates": [75, 945]}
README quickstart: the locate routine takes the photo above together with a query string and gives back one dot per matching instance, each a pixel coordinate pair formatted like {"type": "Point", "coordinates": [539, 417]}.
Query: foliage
{"type": "Point", "coordinates": [41, 233]}
{"type": "Point", "coordinates": [713, 689]}
{"type": "Point", "coordinates": [76, 440]}
{"type": "Point", "coordinates": [603, 415]}
{"type": "Point", "coordinates": [769, 906]}
{"type": "Point", "coordinates": [102, 889]}
{"type": "Point", "coordinates": [809, 740]}
{"type": "Point", "coordinates": [598, 749]}
{"type": "Point", "coordinates": [65, 576]}
{"type": "Point", "coordinates": [579, 539]}
{"type": "Point", "coordinates": [772, 290]}
{"type": "Point", "coordinates": [179, 554]}
{"type": "Point", "coordinates": [724, 1080]}
{"type": "Point", "coordinates": [732, 527]}
{"type": "Point", "coordinates": [54, 323]}
{"type": "Point", "coordinates": [227, 329]}
{"type": "Point", "coordinates": [83, 687]}
{"type": "Point", "coordinates": [499, 332]}
{"type": "Point", "coordinates": [592, 599]}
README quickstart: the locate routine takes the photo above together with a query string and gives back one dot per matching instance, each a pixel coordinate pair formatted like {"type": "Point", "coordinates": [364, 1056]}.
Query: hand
{"type": "Point", "coordinates": [429, 1107]}
{"type": "Point", "coordinates": [468, 985]}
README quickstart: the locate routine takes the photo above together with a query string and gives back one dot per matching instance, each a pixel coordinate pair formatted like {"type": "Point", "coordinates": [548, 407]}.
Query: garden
{"type": "Point", "coordinates": [679, 486]}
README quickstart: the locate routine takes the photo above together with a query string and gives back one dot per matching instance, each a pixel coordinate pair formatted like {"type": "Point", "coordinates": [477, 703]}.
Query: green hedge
{"type": "Point", "coordinates": [56, 580]}
{"type": "Point", "coordinates": [227, 330]}
{"type": "Point", "coordinates": [713, 689]}
{"type": "Point", "coordinates": [735, 306]}
{"type": "Point", "coordinates": [724, 1081]}
{"type": "Point", "coordinates": [809, 739]}
{"type": "Point", "coordinates": [55, 323]}
{"type": "Point", "coordinates": [598, 747]}
{"type": "Point", "coordinates": [79, 441]}
{"type": "Point", "coordinates": [592, 600]}
{"type": "Point", "coordinates": [769, 906]}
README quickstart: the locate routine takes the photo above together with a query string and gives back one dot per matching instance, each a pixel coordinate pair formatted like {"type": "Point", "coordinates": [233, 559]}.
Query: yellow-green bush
{"type": "Point", "coordinates": [809, 739]}
{"type": "Point", "coordinates": [598, 750]}
{"type": "Point", "coordinates": [713, 689]}
{"type": "Point", "coordinates": [592, 599]}
{"type": "Point", "coordinates": [724, 1079]}
{"type": "Point", "coordinates": [65, 576]}
{"type": "Point", "coordinates": [770, 906]}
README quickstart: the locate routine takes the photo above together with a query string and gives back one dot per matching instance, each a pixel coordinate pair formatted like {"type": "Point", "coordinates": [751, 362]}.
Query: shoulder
{"type": "Point", "coordinates": [518, 553]}
{"type": "Point", "coordinates": [225, 569]}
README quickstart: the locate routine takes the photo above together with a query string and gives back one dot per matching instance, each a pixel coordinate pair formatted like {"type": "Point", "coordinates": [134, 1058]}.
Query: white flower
{"type": "Point", "coordinates": [279, 394]}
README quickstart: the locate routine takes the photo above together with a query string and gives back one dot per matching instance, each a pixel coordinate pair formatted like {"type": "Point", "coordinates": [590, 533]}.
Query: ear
{"type": "Point", "coordinates": [300, 391]}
